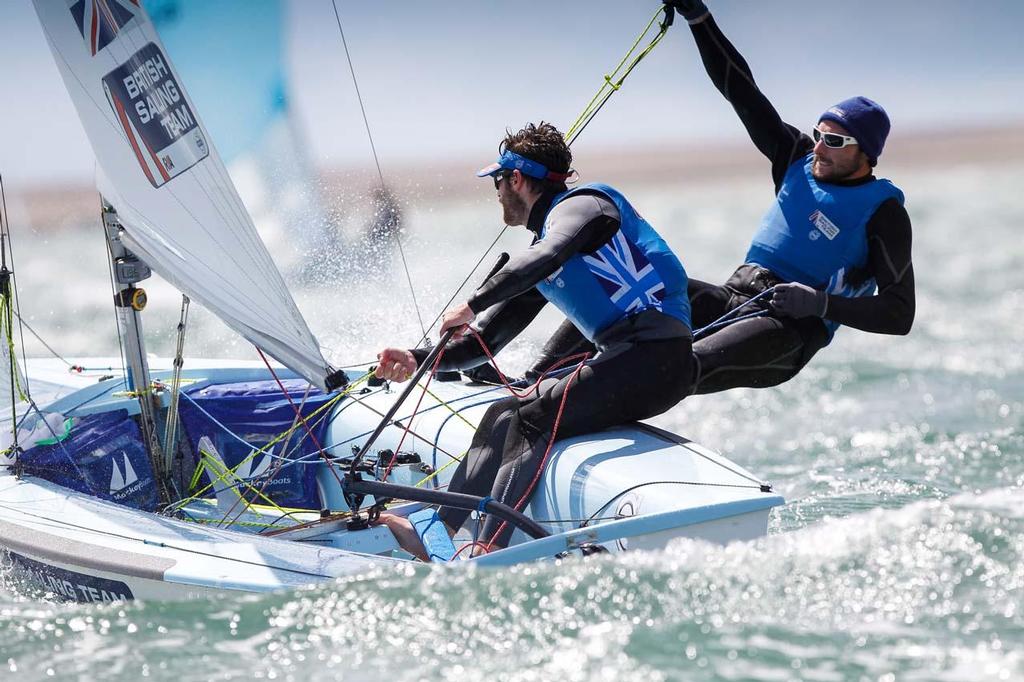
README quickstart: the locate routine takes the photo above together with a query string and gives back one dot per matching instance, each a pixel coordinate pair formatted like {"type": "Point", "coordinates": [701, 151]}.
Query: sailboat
{"type": "Point", "coordinates": [186, 478]}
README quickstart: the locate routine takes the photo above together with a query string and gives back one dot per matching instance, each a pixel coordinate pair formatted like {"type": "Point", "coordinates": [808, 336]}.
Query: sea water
{"type": "Point", "coordinates": [898, 556]}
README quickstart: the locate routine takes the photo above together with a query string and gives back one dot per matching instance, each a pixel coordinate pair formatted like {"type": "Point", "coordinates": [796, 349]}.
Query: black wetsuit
{"type": "Point", "coordinates": [766, 351]}
{"type": "Point", "coordinates": [641, 371]}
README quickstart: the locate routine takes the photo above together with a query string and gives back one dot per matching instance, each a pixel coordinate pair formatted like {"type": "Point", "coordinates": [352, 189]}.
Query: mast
{"type": "Point", "coordinates": [129, 302]}
{"type": "Point", "coordinates": [6, 318]}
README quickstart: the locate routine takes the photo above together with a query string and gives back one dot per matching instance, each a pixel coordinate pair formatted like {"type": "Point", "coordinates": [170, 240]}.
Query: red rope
{"type": "Point", "coordinates": [547, 453]}
{"type": "Point", "coordinates": [433, 370]}
{"type": "Point", "coordinates": [467, 546]}
{"type": "Point", "coordinates": [554, 429]}
{"type": "Point", "coordinates": [532, 387]}
{"type": "Point", "coordinates": [298, 413]}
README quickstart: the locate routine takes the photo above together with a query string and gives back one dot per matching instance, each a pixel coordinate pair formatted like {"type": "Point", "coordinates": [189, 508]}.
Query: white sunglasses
{"type": "Point", "coordinates": [833, 140]}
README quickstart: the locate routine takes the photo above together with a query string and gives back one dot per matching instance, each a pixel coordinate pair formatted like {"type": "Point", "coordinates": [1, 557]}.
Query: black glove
{"type": "Point", "coordinates": [691, 10]}
{"type": "Point", "coordinates": [799, 300]}
{"type": "Point", "coordinates": [486, 374]}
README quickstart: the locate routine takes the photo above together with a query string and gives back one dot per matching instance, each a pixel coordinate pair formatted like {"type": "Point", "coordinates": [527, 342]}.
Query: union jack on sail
{"type": "Point", "coordinates": [100, 20]}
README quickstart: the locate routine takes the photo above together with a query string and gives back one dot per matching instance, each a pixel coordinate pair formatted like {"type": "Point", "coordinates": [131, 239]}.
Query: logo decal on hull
{"type": "Point", "coordinates": [69, 585]}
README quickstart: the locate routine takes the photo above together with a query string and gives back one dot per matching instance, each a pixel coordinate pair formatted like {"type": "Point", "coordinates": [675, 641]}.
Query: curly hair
{"type": "Point", "coordinates": [544, 144]}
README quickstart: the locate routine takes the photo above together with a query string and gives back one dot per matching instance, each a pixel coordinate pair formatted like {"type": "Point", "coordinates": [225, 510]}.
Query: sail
{"type": "Point", "coordinates": [157, 165]}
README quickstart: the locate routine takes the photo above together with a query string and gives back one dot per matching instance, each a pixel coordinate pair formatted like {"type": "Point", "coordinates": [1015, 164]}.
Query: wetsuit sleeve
{"type": "Point", "coordinates": [581, 223]}
{"type": "Point", "coordinates": [891, 310]}
{"type": "Point", "coordinates": [782, 143]}
{"type": "Point", "coordinates": [497, 326]}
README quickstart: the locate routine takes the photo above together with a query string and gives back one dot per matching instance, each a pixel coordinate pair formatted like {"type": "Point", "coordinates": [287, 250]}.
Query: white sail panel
{"type": "Point", "coordinates": [158, 167]}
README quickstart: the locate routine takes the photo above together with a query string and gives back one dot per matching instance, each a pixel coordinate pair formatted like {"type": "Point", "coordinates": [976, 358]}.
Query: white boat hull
{"type": "Point", "coordinates": [630, 488]}
{"type": "Point", "coordinates": [84, 549]}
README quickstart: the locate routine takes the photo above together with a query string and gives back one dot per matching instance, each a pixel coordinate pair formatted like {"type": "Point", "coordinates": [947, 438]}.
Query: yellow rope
{"type": "Point", "coordinates": [318, 413]}
{"type": "Point", "coordinates": [7, 322]}
{"type": "Point", "coordinates": [452, 461]}
{"type": "Point", "coordinates": [451, 409]}
{"type": "Point", "coordinates": [212, 464]}
{"type": "Point", "coordinates": [267, 447]}
{"type": "Point", "coordinates": [610, 84]}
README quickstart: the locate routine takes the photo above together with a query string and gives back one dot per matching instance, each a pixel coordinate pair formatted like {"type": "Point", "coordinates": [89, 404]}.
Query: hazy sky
{"type": "Point", "coordinates": [443, 79]}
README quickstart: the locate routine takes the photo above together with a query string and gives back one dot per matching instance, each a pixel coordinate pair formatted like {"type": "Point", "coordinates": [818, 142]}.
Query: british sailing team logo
{"type": "Point", "coordinates": [146, 98]}
{"type": "Point", "coordinates": [158, 122]}
{"type": "Point", "coordinates": [99, 21]}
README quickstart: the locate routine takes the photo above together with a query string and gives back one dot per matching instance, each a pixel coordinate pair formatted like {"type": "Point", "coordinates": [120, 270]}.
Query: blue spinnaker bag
{"type": "Point", "coordinates": [240, 418]}
{"type": "Point", "coordinates": [100, 454]}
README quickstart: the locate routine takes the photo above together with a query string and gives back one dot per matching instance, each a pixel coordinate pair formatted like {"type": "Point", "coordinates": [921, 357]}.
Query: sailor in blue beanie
{"type": "Point", "coordinates": [833, 248]}
{"type": "Point", "coordinates": [863, 119]}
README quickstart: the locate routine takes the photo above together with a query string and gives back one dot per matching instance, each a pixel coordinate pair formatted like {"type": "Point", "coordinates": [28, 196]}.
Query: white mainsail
{"type": "Point", "coordinates": [157, 166]}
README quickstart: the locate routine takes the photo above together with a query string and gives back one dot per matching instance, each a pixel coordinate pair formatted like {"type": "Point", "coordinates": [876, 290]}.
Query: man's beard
{"type": "Point", "coordinates": [513, 209]}
{"type": "Point", "coordinates": [835, 171]}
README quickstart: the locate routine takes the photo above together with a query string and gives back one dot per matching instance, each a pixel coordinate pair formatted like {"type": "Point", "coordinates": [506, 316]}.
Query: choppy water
{"type": "Point", "coordinates": [899, 556]}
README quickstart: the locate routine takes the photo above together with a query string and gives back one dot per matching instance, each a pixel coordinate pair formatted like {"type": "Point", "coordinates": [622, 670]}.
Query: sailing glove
{"type": "Point", "coordinates": [799, 300]}
{"type": "Point", "coordinates": [691, 10]}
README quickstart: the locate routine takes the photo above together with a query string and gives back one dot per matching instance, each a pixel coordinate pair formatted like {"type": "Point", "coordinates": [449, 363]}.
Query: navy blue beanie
{"type": "Point", "coordinates": [866, 120]}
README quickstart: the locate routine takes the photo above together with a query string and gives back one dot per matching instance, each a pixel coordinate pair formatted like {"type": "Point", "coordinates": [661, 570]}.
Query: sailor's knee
{"type": "Point", "coordinates": [498, 410]}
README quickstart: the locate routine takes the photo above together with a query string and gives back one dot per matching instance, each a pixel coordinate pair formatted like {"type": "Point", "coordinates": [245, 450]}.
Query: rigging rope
{"type": "Point", "coordinates": [405, 432]}
{"type": "Point", "coordinates": [8, 246]}
{"type": "Point", "coordinates": [730, 317]}
{"type": "Point", "coordinates": [518, 506]}
{"type": "Point", "coordinates": [321, 413]}
{"type": "Point", "coordinates": [583, 357]}
{"type": "Point", "coordinates": [71, 367]}
{"type": "Point", "coordinates": [272, 474]}
{"type": "Point", "coordinates": [7, 322]}
{"type": "Point", "coordinates": [376, 160]}
{"type": "Point", "coordinates": [171, 425]}
{"type": "Point", "coordinates": [609, 88]}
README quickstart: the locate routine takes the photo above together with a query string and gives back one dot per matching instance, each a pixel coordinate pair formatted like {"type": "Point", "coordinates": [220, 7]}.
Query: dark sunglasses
{"type": "Point", "coordinates": [498, 177]}
{"type": "Point", "coordinates": [833, 140]}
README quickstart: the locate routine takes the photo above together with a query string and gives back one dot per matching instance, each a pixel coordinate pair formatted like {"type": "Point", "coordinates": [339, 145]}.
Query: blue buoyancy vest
{"type": "Point", "coordinates": [634, 271]}
{"type": "Point", "coordinates": [815, 233]}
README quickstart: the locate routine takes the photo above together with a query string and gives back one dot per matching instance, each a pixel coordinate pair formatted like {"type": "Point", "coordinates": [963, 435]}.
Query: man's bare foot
{"type": "Point", "coordinates": [407, 537]}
